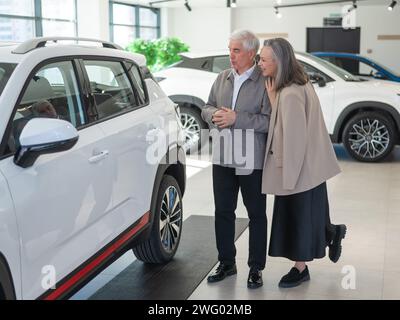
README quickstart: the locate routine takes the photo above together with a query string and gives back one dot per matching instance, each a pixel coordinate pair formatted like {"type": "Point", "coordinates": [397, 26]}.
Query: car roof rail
{"type": "Point", "coordinates": [36, 43]}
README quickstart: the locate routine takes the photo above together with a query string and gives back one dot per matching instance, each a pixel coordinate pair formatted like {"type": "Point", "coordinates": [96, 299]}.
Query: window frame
{"type": "Point", "coordinates": [38, 18]}
{"type": "Point", "coordinates": [137, 26]}
{"type": "Point", "coordinates": [128, 74]}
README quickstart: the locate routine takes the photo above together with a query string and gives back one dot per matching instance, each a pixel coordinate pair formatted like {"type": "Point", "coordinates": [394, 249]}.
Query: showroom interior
{"type": "Point", "coordinates": [365, 196]}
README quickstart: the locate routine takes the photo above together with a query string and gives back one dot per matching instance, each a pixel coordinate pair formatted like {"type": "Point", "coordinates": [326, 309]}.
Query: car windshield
{"type": "Point", "coordinates": [346, 76]}
{"type": "Point", "coordinates": [396, 74]}
{"type": "Point", "coordinates": [6, 69]}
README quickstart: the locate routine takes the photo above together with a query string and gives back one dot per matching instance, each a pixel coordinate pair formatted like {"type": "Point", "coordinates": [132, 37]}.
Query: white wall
{"type": "Point", "coordinates": [202, 29]}
{"type": "Point", "coordinates": [208, 29]}
{"type": "Point", "coordinates": [373, 20]}
{"type": "Point", "coordinates": [93, 19]}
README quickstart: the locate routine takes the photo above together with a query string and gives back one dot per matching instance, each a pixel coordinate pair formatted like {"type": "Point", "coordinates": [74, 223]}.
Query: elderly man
{"type": "Point", "coordinates": [238, 109]}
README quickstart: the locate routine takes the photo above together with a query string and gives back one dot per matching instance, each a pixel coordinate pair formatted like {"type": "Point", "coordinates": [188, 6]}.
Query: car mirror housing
{"type": "Point", "coordinates": [317, 78]}
{"type": "Point", "coordinates": [44, 136]}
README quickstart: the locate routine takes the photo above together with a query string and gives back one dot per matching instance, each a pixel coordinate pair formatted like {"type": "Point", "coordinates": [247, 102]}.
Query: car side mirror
{"type": "Point", "coordinates": [44, 136]}
{"type": "Point", "coordinates": [378, 75]}
{"type": "Point", "coordinates": [317, 78]}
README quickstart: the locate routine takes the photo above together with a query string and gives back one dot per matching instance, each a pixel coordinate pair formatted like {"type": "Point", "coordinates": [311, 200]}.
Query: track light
{"type": "Point", "coordinates": [231, 4]}
{"type": "Point", "coordinates": [188, 7]}
{"type": "Point", "coordinates": [278, 14]}
{"type": "Point", "coordinates": [354, 7]}
{"type": "Point", "coordinates": [391, 6]}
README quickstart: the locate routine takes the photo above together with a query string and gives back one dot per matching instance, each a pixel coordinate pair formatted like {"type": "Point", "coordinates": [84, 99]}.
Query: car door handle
{"type": "Point", "coordinates": [99, 156]}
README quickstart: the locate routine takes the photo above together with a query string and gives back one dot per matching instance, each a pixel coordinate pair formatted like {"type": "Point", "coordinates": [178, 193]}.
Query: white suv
{"type": "Point", "coordinates": [363, 115]}
{"type": "Point", "coordinates": [79, 183]}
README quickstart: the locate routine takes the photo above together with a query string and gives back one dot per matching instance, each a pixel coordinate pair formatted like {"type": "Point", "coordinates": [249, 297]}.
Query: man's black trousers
{"type": "Point", "coordinates": [226, 185]}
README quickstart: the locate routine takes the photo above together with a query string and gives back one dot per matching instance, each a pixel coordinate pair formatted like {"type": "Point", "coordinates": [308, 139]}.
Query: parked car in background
{"type": "Point", "coordinates": [77, 185]}
{"type": "Point", "coordinates": [360, 65]}
{"type": "Point", "coordinates": [363, 115]}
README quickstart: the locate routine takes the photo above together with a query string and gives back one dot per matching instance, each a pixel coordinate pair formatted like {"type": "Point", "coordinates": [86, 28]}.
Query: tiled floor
{"type": "Point", "coordinates": [366, 197]}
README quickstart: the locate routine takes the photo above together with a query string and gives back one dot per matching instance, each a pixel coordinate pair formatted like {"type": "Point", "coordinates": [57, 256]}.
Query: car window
{"type": "Point", "coordinates": [367, 70]}
{"type": "Point", "coordinates": [204, 64]}
{"type": "Point", "coordinates": [6, 69]}
{"type": "Point", "coordinates": [350, 65]}
{"type": "Point", "coordinates": [51, 93]}
{"type": "Point", "coordinates": [342, 73]}
{"type": "Point", "coordinates": [138, 83]}
{"type": "Point", "coordinates": [221, 63]}
{"type": "Point", "coordinates": [110, 87]}
{"type": "Point", "coordinates": [312, 72]}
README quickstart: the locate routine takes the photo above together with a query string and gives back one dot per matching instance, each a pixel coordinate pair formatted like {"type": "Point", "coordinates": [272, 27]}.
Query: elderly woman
{"type": "Point", "coordinates": [299, 159]}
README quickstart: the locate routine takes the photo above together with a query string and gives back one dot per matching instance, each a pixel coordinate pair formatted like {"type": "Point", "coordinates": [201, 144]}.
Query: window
{"type": "Point", "coordinates": [51, 93]}
{"type": "Point", "coordinates": [128, 22]}
{"type": "Point", "coordinates": [110, 87]}
{"type": "Point", "coordinates": [367, 70]}
{"type": "Point", "coordinates": [313, 73]}
{"type": "Point", "coordinates": [138, 83]}
{"type": "Point", "coordinates": [221, 64]}
{"type": "Point", "coordinates": [6, 69]}
{"type": "Point", "coordinates": [21, 20]}
{"type": "Point", "coordinates": [349, 65]}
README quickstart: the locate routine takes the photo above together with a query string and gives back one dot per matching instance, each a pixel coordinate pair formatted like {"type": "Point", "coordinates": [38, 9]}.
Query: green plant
{"type": "Point", "coordinates": [159, 53]}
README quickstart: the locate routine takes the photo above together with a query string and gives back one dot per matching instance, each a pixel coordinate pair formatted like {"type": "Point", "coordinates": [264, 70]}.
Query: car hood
{"type": "Point", "coordinates": [380, 85]}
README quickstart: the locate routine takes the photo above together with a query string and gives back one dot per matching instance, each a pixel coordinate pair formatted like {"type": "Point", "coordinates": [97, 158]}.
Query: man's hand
{"type": "Point", "coordinates": [224, 117]}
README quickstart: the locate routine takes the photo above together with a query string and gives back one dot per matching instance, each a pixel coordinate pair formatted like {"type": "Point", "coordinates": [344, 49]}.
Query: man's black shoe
{"type": "Point", "coordinates": [222, 272]}
{"type": "Point", "coordinates": [254, 280]}
{"type": "Point", "coordinates": [294, 278]}
{"type": "Point", "coordinates": [335, 247]}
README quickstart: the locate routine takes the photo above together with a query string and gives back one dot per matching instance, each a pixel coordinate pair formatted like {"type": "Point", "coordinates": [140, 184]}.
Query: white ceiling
{"type": "Point", "coordinates": [244, 3]}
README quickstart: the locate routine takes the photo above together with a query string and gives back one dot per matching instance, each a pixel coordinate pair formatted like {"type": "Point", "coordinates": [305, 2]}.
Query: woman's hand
{"type": "Point", "coordinates": [271, 90]}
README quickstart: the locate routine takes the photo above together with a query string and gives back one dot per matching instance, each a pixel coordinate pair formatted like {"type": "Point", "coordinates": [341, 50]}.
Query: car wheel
{"type": "Point", "coordinates": [369, 136]}
{"type": "Point", "coordinates": [166, 230]}
{"type": "Point", "coordinates": [193, 127]}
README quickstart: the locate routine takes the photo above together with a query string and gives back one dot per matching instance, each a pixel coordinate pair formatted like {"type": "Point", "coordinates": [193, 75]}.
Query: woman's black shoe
{"type": "Point", "coordinates": [294, 278]}
{"type": "Point", "coordinates": [223, 270]}
{"type": "Point", "coordinates": [335, 247]}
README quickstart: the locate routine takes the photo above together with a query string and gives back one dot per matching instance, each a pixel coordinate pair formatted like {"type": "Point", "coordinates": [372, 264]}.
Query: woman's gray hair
{"type": "Point", "coordinates": [289, 69]}
{"type": "Point", "coordinates": [247, 38]}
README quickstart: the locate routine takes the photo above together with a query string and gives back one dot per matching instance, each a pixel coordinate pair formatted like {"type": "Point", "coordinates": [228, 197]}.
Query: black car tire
{"type": "Point", "coordinates": [155, 249]}
{"type": "Point", "coordinates": [358, 136]}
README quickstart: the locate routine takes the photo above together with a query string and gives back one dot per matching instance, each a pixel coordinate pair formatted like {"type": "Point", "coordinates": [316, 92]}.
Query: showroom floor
{"type": "Point", "coordinates": [365, 197]}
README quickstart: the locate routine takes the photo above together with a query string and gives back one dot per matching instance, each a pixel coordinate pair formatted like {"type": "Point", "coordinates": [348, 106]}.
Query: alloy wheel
{"type": "Point", "coordinates": [170, 219]}
{"type": "Point", "coordinates": [369, 138]}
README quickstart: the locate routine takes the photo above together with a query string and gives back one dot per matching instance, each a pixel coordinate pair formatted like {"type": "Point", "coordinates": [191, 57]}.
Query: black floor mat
{"type": "Point", "coordinates": [176, 280]}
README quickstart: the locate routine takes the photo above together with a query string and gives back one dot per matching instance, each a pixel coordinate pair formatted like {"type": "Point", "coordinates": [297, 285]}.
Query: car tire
{"type": "Point", "coordinates": [163, 242]}
{"type": "Point", "coordinates": [193, 127]}
{"type": "Point", "coordinates": [369, 136]}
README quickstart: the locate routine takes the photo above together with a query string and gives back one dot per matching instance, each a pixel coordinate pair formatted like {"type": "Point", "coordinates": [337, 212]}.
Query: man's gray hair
{"type": "Point", "coordinates": [247, 38]}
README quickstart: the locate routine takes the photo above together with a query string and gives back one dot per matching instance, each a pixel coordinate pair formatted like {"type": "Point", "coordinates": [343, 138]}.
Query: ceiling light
{"type": "Point", "coordinates": [391, 6]}
{"type": "Point", "coordinates": [278, 14]}
{"type": "Point", "coordinates": [188, 7]}
{"type": "Point", "coordinates": [354, 7]}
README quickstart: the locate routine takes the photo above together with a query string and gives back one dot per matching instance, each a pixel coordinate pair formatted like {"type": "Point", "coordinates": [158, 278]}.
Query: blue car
{"type": "Point", "coordinates": [359, 65]}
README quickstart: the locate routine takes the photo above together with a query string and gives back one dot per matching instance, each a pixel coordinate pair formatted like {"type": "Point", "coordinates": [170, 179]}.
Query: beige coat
{"type": "Point", "coordinates": [299, 154]}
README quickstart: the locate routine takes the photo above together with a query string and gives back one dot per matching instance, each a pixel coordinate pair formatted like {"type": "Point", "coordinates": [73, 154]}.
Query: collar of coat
{"type": "Point", "coordinates": [254, 76]}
